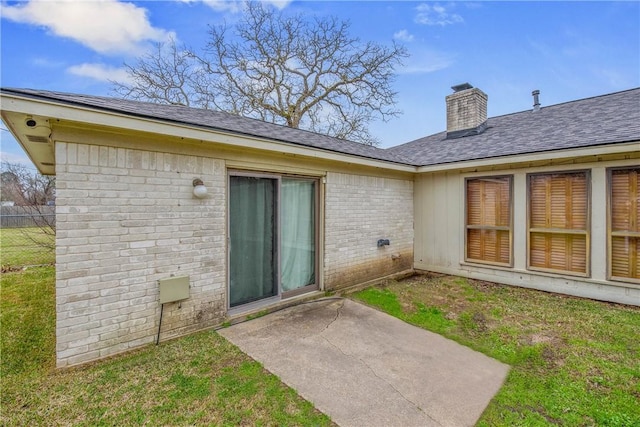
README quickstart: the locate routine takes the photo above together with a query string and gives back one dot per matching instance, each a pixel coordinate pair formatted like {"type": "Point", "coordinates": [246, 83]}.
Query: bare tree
{"type": "Point", "coordinates": [34, 194]}
{"type": "Point", "coordinates": [164, 75]}
{"type": "Point", "coordinates": [25, 187]}
{"type": "Point", "coordinates": [300, 72]}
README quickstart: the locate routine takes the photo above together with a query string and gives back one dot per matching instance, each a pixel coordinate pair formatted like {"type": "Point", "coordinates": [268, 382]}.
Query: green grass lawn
{"type": "Point", "coordinates": [198, 380]}
{"type": "Point", "coordinates": [26, 246]}
{"type": "Point", "coordinates": [575, 362]}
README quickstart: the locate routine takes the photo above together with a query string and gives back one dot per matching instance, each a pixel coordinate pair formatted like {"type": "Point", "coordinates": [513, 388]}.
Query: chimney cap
{"type": "Point", "coordinates": [536, 100]}
{"type": "Point", "coordinates": [460, 87]}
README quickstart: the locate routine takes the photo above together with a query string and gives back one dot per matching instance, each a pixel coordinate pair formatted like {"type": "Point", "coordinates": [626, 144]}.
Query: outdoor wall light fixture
{"type": "Point", "coordinates": [199, 190]}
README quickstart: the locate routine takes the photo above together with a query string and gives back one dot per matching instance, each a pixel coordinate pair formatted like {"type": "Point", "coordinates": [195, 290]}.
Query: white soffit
{"type": "Point", "coordinates": [33, 133]}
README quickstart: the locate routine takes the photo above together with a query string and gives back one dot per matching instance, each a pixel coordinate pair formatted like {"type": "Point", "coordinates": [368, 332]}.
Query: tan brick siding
{"type": "Point", "coordinates": [126, 218]}
{"type": "Point", "coordinates": [359, 210]}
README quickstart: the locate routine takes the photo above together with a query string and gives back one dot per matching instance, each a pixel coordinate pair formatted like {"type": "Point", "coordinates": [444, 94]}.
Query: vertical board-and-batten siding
{"type": "Point", "coordinates": [440, 234]}
{"type": "Point", "coordinates": [360, 210]}
{"type": "Point", "coordinates": [126, 218]}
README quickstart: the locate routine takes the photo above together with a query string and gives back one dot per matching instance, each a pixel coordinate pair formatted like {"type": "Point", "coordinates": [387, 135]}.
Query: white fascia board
{"type": "Point", "coordinates": [90, 115]}
{"type": "Point", "coordinates": [557, 156]}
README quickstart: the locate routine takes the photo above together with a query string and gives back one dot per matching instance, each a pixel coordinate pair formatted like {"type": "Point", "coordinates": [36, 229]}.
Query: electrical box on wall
{"type": "Point", "coordinates": [174, 289]}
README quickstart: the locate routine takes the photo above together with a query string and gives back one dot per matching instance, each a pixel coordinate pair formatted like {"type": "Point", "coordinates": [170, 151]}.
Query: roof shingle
{"type": "Point", "coordinates": [214, 120]}
{"type": "Point", "coordinates": [588, 122]}
{"type": "Point", "coordinates": [601, 120]}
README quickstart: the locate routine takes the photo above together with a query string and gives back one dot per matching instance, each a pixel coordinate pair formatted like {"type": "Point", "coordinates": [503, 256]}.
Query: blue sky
{"type": "Point", "coordinates": [567, 50]}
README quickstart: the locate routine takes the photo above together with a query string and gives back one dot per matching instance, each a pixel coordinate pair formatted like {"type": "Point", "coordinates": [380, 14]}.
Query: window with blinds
{"type": "Point", "coordinates": [624, 224]}
{"type": "Point", "coordinates": [488, 220]}
{"type": "Point", "coordinates": [559, 222]}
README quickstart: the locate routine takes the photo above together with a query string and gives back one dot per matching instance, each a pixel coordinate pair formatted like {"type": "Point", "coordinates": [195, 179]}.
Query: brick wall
{"type": "Point", "coordinates": [126, 218]}
{"type": "Point", "coordinates": [466, 109]}
{"type": "Point", "coordinates": [359, 210]}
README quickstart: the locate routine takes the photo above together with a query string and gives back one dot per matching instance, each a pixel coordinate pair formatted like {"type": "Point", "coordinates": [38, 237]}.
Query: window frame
{"type": "Point", "coordinates": [468, 227]}
{"type": "Point", "coordinates": [610, 233]}
{"type": "Point", "coordinates": [586, 232]}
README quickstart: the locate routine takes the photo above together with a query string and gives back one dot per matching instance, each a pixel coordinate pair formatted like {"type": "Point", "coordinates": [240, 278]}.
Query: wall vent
{"type": "Point", "coordinates": [39, 139]}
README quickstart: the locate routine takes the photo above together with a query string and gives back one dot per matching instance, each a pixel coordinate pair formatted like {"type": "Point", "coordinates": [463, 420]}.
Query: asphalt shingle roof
{"type": "Point", "coordinates": [214, 120]}
{"type": "Point", "coordinates": [587, 122]}
{"type": "Point", "coordinates": [601, 120]}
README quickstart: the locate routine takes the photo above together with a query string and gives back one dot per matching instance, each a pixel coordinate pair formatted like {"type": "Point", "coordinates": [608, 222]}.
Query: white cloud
{"type": "Point", "coordinates": [46, 62]}
{"type": "Point", "coordinates": [436, 14]}
{"type": "Point", "coordinates": [235, 6]}
{"type": "Point", "coordinates": [232, 6]}
{"type": "Point", "coordinates": [100, 72]}
{"type": "Point", "coordinates": [403, 35]}
{"type": "Point", "coordinates": [106, 26]}
{"type": "Point", "coordinates": [426, 60]}
{"type": "Point", "coordinates": [280, 4]}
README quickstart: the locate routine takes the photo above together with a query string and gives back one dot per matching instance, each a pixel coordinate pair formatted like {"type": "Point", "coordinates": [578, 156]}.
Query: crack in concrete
{"type": "Point", "coordinates": [334, 319]}
{"type": "Point", "coordinates": [415, 405]}
{"type": "Point", "coordinates": [398, 391]}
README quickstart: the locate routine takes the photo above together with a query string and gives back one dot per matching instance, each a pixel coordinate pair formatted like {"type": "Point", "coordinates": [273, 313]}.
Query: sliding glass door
{"type": "Point", "coordinates": [272, 237]}
{"type": "Point", "coordinates": [253, 247]}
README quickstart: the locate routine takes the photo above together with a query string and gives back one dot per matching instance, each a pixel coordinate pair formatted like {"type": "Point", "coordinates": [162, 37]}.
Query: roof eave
{"type": "Point", "coordinates": [30, 105]}
{"type": "Point", "coordinates": [553, 156]}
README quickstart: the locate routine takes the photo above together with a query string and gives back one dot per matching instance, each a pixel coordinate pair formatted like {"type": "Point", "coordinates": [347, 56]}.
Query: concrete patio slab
{"type": "Point", "coordinates": [365, 368]}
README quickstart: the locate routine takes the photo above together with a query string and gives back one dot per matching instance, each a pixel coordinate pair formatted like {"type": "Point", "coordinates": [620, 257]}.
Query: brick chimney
{"type": "Point", "coordinates": [466, 111]}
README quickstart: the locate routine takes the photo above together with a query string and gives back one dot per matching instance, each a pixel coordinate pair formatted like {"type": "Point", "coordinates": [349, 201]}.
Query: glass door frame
{"type": "Point", "coordinates": [280, 295]}
{"type": "Point", "coordinates": [276, 224]}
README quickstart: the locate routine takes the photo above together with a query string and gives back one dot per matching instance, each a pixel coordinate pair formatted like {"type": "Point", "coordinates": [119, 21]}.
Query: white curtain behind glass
{"type": "Point", "coordinates": [298, 233]}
